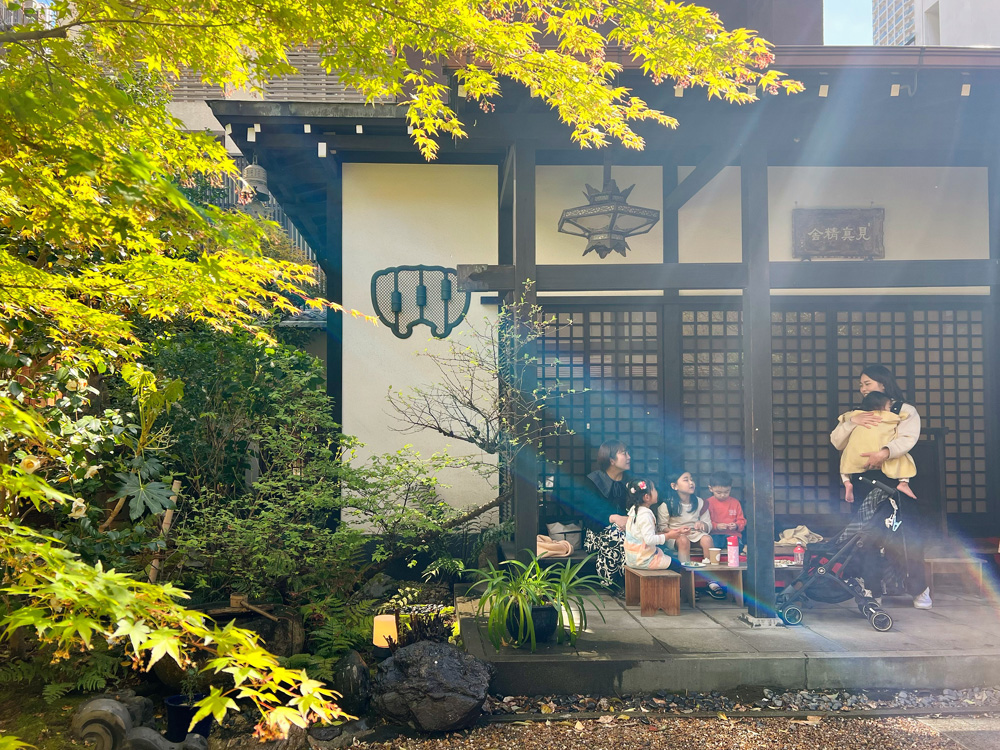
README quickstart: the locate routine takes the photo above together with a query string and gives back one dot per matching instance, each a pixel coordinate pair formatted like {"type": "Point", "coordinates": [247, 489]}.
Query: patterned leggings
{"type": "Point", "coordinates": [609, 544]}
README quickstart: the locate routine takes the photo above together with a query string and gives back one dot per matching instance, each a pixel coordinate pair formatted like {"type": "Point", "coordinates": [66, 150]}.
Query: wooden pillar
{"type": "Point", "coordinates": [670, 333]}
{"type": "Point", "coordinates": [991, 342]}
{"type": "Point", "coordinates": [758, 445]}
{"type": "Point", "coordinates": [505, 210]}
{"type": "Point", "coordinates": [525, 481]}
{"type": "Point", "coordinates": [334, 269]}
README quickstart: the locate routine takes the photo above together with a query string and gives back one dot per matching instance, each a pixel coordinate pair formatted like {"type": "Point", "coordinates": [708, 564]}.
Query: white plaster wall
{"type": "Point", "coordinates": [931, 213]}
{"type": "Point", "coordinates": [709, 228]}
{"type": "Point", "coordinates": [397, 214]}
{"type": "Point", "coordinates": [709, 224]}
{"type": "Point", "coordinates": [561, 187]}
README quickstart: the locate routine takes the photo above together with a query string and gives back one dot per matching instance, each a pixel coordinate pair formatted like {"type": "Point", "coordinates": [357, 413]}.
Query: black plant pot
{"type": "Point", "coordinates": [179, 715]}
{"type": "Point", "coordinates": [545, 617]}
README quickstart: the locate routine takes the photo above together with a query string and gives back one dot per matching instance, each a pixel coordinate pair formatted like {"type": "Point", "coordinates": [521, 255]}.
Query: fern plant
{"type": "Point", "coordinates": [88, 673]}
{"type": "Point", "coordinates": [317, 667]}
{"type": "Point", "coordinates": [345, 624]}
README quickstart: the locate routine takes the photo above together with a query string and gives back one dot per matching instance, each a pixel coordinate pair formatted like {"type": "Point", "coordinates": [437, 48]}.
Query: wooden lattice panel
{"type": "Point", "coordinates": [802, 415]}
{"type": "Point", "coordinates": [712, 399]}
{"type": "Point", "coordinates": [818, 351]}
{"type": "Point", "coordinates": [607, 363]}
{"type": "Point", "coordinates": [567, 456]}
{"type": "Point", "coordinates": [624, 398]}
{"type": "Point", "coordinates": [863, 338]}
{"type": "Point", "coordinates": [949, 390]}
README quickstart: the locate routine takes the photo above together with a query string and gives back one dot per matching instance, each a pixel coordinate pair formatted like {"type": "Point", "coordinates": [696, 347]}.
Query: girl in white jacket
{"type": "Point", "coordinates": [642, 543]}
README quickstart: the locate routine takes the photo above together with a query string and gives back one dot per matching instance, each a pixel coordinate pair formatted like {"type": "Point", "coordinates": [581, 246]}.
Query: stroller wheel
{"type": "Point", "coordinates": [791, 615]}
{"type": "Point", "coordinates": [880, 621]}
{"type": "Point", "coordinates": [868, 608]}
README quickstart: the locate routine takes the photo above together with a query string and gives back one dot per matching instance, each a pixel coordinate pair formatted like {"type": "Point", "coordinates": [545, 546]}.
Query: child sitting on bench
{"type": "Point", "coordinates": [642, 543]}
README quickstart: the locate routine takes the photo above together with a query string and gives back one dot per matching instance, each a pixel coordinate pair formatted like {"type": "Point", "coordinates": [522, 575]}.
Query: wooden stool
{"type": "Point", "coordinates": [653, 590]}
{"type": "Point", "coordinates": [967, 567]}
{"type": "Point", "coordinates": [731, 578]}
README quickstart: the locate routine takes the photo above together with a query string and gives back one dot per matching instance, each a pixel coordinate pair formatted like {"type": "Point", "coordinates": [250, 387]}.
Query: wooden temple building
{"type": "Point", "coordinates": [720, 340]}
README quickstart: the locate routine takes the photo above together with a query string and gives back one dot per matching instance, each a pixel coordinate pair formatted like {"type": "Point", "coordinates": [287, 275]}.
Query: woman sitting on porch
{"type": "Point", "coordinates": [603, 506]}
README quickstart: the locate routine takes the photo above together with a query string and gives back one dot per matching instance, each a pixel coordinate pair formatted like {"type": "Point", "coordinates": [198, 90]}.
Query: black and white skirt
{"type": "Point", "coordinates": [609, 544]}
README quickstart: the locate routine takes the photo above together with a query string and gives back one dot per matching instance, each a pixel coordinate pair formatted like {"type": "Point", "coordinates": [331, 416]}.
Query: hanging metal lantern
{"type": "Point", "coordinates": [607, 220]}
{"type": "Point", "coordinates": [256, 177]}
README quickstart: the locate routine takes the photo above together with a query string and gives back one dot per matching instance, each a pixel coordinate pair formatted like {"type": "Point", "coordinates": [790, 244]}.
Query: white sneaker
{"type": "Point", "coordinates": [923, 599]}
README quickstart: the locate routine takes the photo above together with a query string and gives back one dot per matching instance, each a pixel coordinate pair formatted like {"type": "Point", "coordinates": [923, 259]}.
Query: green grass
{"type": "Point", "coordinates": [23, 714]}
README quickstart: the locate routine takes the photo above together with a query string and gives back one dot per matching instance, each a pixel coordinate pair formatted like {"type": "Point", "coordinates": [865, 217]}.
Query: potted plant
{"type": "Point", "coordinates": [181, 709]}
{"type": "Point", "coordinates": [529, 603]}
{"type": "Point", "coordinates": [571, 590]}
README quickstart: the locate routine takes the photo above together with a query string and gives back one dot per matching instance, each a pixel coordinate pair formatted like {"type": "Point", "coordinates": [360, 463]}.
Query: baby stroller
{"type": "Point", "coordinates": [836, 572]}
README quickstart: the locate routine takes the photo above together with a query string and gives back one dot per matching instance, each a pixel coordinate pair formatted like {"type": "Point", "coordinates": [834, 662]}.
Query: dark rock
{"type": "Point", "coordinates": [140, 708]}
{"type": "Point", "coordinates": [285, 637]}
{"type": "Point", "coordinates": [352, 679]}
{"type": "Point", "coordinates": [325, 734]}
{"type": "Point", "coordinates": [297, 740]}
{"type": "Point", "coordinates": [144, 738]}
{"type": "Point", "coordinates": [378, 586]}
{"type": "Point", "coordinates": [434, 685]}
{"type": "Point", "coordinates": [321, 738]}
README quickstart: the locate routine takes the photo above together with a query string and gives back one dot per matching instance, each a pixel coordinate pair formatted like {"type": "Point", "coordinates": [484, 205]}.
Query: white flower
{"type": "Point", "coordinates": [79, 509]}
{"type": "Point", "coordinates": [92, 470]}
{"type": "Point", "coordinates": [30, 464]}
{"type": "Point", "coordinates": [77, 385]}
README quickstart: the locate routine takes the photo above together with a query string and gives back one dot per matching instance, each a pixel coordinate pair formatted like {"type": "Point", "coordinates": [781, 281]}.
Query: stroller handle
{"type": "Point", "coordinates": [891, 491]}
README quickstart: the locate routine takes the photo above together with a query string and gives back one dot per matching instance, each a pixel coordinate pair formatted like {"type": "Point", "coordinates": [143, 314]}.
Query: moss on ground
{"type": "Point", "coordinates": [25, 715]}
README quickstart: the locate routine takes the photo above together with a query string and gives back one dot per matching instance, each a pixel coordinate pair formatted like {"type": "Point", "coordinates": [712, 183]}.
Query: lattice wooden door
{"type": "Point", "coordinates": [607, 363]}
{"type": "Point", "coordinates": [613, 358]}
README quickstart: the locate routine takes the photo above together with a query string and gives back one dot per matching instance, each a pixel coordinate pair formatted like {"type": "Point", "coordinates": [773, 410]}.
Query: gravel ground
{"type": "Point", "coordinates": [750, 699]}
{"type": "Point", "coordinates": [628, 733]}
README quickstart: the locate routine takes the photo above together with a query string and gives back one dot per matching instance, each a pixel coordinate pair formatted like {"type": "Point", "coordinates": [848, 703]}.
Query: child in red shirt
{"type": "Point", "coordinates": [726, 511]}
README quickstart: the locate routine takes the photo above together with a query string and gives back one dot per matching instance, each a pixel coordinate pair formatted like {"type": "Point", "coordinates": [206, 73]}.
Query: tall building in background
{"type": "Point", "coordinates": [894, 22]}
{"type": "Point", "coordinates": [927, 23]}
{"type": "Point", "coordinates": [957, 23]}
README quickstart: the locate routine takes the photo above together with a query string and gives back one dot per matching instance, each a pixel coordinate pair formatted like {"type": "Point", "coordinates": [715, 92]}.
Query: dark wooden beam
{"type": "Point", "coordinates": [758, 443]}
{"type": "Point", "coordinates": [859, 157]}
{"type": "Point", "coordinates": [704, 173]}
{"type": "Point", "coordinates": [333, 251]}
{"type": "Point", "coordinates": [609, 278]}
{"type": "Point", "coordinates": [991, 345]}
{"type": "Point", "coordinates": [670, 334]}
{"type": "Point", "coordinates": [402, 144]}
{"type": "Point", "coordinates": [306, 218]}
{"type": "Point", "coordinates": [525, 481]}
{"type": "Point", "coordinates": [849, 274]}
{"type": "Point", "coordinates": [231, 110]}
{"type": "Point", "coordinates": [507, 180]}
{"type": "Point", "coordinates": [505, 210]}
{"type": "Point", "coordinates": [839, 274]}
